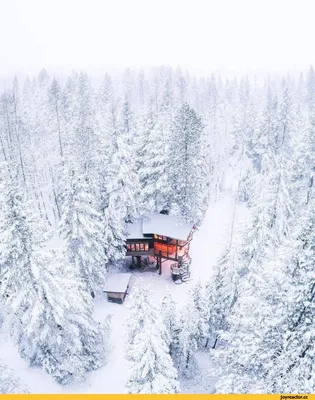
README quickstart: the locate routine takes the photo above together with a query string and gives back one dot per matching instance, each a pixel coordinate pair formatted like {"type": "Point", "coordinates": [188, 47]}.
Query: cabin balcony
{"type": "Point", "coordinates": [135, 253]}
{"type": "Point", "coordinates": [140, 248]}
{"type": "Point", "coordinates": [172, 250]}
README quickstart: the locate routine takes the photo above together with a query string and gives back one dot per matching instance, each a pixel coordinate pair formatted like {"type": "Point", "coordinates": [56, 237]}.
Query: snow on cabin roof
{"type": "Point", "coordinates": [134, 230]}
{"type": "Point", "coordinates": [166, 225]}
{"type": "Point", "coordinates": [117, 283]}
{"type": "Point", "coordinates": [159, 224]}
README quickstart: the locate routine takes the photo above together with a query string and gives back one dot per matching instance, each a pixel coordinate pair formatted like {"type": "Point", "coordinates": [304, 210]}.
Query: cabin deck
{"type": "Point", "coordinates": [150, 252]}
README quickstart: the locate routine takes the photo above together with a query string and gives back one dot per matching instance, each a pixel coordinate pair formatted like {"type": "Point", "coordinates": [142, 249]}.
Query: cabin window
{"type": "Point", "coordinates": [160, 237]}
{"type": "Point", "coordinates": [144, 246]}
{"type": "Point", "coordinates": [138, 246]}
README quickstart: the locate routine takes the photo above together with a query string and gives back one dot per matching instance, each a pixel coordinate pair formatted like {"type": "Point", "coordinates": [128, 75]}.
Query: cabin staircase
{"type": "Point", "coordinates": [185, 276]}
{"type": "Point", "coordinates": [181, 270]}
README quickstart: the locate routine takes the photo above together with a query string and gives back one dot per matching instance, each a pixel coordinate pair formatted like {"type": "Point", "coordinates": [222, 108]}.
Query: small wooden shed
{"type": "Point", "coordinates": [117, 286]}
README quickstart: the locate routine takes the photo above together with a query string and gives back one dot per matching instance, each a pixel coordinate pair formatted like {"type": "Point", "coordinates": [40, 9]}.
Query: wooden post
{"type": "Point", "coordinates": [176, 249]}
{"type": "Point", "coordinates": [160, 262]}
{"type": "Point", "coordinates": [133, 260]}
{"type": "Point", "coordinates": [138, 261]}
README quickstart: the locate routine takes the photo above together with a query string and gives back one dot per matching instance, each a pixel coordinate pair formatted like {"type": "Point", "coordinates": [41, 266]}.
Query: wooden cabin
{"type": "Point", "coordinates": [161, 236]}
{"type": "Point", "coordinates": [117, 286]}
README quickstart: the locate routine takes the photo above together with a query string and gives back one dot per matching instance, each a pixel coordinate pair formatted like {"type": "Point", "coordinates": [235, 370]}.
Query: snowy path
{"type": "Point", "coordinates": [206, 246]}
{"type": "Point", "coordinates": [210, 240]}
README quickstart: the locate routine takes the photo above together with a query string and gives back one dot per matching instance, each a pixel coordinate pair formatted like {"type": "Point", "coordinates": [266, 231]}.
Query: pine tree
{"type": "Point", "coordinates": [106, 92]}
{"type": "Point", "coordinates": [168, 311]}
{"type": "Point", "coordinates": [55, 100]}
{"type": "Point", "coordinates": [86, 133]}
{"type": "Point", "coordinates": [114, 233]}
{"type": "Point", "coordinates": [293, 366]}
{"type": "Point", "coordinates": [187, 166]}
{"type": "Point", "coordinates": [282, 181]}
{"type": "Point", "coordinates": [310, 87]}
{"type": "Point", "coordinates": [20, 234]}
{"type": "Point", "coordinates": [221, 294]}
{"type": "Point", "coordinates": [215, 129]}
{"type": "Point", "coordinates": [152, 164]}
{"type": "Point", "coordinates": [81, 228]}
{"type": "Point", "coordinates": [199, 298]}
{"type": "Point", "coordinates": [50, 313]}
{"type": "Point", "coordinates": [151, 367]}
{"type": "Point", "coordinates": [56, 329]}
{"type": "Point", "coordinates": [187, 341]}
{"type": "Point", "coordinates": [304, 163]}
{"type": "Point", "coordinates": [121, 180]}
{"type": "Point", "coordinates": [264, 230]}
{"type": "Point", "coordinates": [273, 318]}
{"type": "Point", "coordinates": [9, 383]}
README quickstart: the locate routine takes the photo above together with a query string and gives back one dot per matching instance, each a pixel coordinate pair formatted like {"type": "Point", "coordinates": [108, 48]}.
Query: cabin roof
{"type": "Point", "coordinates": [117, 283]}
{"type": "Point", "coordinates": [159, 224]}
{"type": "Point", "coordinates": [134, 229]}
{"type": "Point", "coordinates": [166, 225]}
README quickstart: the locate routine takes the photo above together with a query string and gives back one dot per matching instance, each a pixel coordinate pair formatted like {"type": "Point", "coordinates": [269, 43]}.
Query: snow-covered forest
{"type": "Point", "coordinates": [79, 160]}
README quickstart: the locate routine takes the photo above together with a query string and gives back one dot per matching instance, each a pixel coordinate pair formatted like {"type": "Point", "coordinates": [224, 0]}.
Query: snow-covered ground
{"type": "Point", "coordinates": [207, 244]}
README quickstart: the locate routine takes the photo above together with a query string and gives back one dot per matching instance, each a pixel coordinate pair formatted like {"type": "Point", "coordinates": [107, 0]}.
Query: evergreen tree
{"type": "Point", "coordinates": [186, 165]}
{"type": "Point", "coordinates": [55, 99]}
{"type": "Point", "coordinates": [114, 233]}
{"type": "Point", "coordinates": [151, 367]}
{"type": "Point", "coordinates": [152, 164]}
{"type": "Point", "coordinates": [168, 311]}
{"type": "Point", "coordinates": [187, 341]}
{"type": "Point", "coordinates": [9, 383]}
{"type": "Point", "coordinates": [122, 184]}
{"type": "Point", "coordinates": [292, 369]}
{"type": "Point", "coordinates": [106, 92]}
{"type": "Point", "coordinates": [310, 87]}
{"type": "Point", "coordinates": [56, 329]}
{"type": "Point", "coordinates": [273, 318]}
{"type": "Point", "coordinates": [81, 228]}
{"type": "Point", "coordinates": [303, 162]}
{"type": "Point", "coordinates": [199, 298]}
{"type": "Point", "coordinates": [20, 234]}
{"type": "Point", "coordinates": [50, 314]}
{"type": "Point", "coordinates": [222, 291]}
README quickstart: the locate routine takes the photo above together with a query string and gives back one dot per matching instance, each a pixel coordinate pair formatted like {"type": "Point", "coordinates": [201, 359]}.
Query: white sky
{"type": "Point", "coordinates": [195, 34]}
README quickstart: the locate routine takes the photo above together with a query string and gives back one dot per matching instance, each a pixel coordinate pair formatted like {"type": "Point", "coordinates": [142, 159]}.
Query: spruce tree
{"type": "Point", "coordinates": [121, 181]}
{"type": "Point", "coordinates": [273, 318]}
{"type": "Point", "coordinates": [169, 313]}
{"type": "Point", "coordinates": [292, 369]}
{"type": "Point", "coordinates": [151, 369]}
{"type": "Point", "coordinates": [114, 233]}
{"type": "Point", "coordinates": [81, 228]}
{"type": "Point", "coordinates": [9, 383]}
{"type": "Point", "coordinates": [50, 311]}
{"type": "Point", "coordinates": [152, 164]}
{"type": "Point", "coordinates": [199, 298]}
{"type": "Point", "coordinates": [55, 330]}
{"type": "Point", "coordinates": [186, 347]}
{"type": "Point", "coordinates": [310, 87]}
{"type": "Point", "coordinates": [187, 165]}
